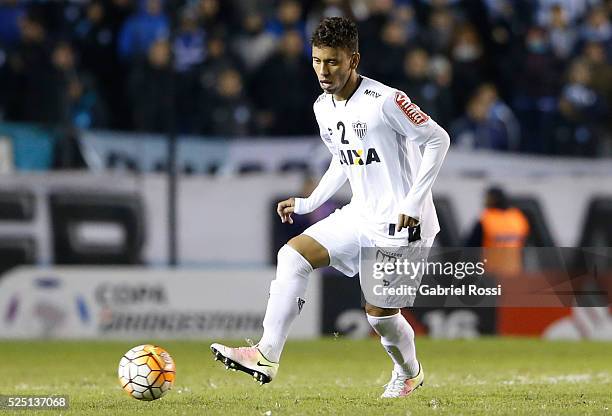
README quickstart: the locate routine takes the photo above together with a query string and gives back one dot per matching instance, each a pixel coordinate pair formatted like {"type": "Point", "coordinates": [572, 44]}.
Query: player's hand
{"type": "Point", "coordinates": [404, 221]}
{"type": "Point", "coordinates": [284, 209]}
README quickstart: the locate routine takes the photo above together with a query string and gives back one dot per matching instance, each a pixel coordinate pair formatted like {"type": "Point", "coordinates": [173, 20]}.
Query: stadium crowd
{"type": "Point", "coordinates": [512, 75]}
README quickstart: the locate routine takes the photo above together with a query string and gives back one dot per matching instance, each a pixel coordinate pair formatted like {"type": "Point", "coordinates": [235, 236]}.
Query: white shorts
{"type": "Point", "coordinates": [344, 233]}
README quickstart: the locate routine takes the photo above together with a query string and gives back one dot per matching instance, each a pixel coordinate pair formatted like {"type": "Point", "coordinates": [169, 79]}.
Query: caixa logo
{"type": "Point", "coordinates": [130, 294]}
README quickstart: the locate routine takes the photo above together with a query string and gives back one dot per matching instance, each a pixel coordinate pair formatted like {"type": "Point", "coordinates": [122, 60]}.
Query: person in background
{"type": "Point", "coordinates": [283, 89]}
{"type": "Point", "coordinates": [215, 16]}
{"type": "Point", "coordinates": [227, 111]}
{"type": "Point", "coordinates": [189, 50]}
{"type": "Point", "coordinates": [219, 57]}
{"type": "Point", "coordinates": [502, 231]}
{"type": "Point", "coordinates": [288, 17]}
{"type": "Point", "coordinates": [469, 63]}
{"type": "Point", "coordinates": [150, 90]}
{"type": "Point", "coordinates": [438, 34]}
{"type": "Point", "coordinates": [476, 129]}
{"type": "Point", "coordinates": [563, 36]}
{"type": "Point", "coordinates": [254, 45]}
{"type": "Point", "coordinates": [582, 112]}
{"type": "Point", "coordinates": [11, 14]}
{"type": "Point", "coordinates": [535, 92]}
{"type": "Point", "coordinates": [427, 82]}
{"type": "Point", "coordinates": [501, 113]}
{"type": "Point", "coordinates": [95, 41]}
{"type": "Point", "coordinates": [141, 30]}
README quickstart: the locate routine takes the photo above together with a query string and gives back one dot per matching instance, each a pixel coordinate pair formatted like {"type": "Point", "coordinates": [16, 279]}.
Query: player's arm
{"type": "Point", "coordinates": [409, 121]}
{"type": "Point", "coordinates": [332, 180]}
{"type": "Point", "coordinates": [330, 183]}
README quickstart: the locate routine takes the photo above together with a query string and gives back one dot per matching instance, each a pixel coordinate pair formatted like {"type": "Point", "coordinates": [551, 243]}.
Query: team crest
{"type": "Point", "coordinates": [360, 128]}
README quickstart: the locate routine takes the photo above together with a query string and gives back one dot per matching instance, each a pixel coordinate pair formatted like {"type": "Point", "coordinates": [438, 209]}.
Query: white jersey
{"type": "Point", "coordinates": [375, 138]}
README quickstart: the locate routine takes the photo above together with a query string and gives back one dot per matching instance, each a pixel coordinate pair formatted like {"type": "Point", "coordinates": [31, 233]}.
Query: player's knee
{"type": "Point", "coordinates": [311, 250]}
{"type": "Point", "coordinates": [291, 263]}
{"type": "Point", "coordinates": [376, 311]}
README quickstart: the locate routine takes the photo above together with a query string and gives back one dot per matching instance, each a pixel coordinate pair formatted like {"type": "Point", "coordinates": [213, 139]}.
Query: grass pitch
{"type": "Point", "coordinates": [488, 376]}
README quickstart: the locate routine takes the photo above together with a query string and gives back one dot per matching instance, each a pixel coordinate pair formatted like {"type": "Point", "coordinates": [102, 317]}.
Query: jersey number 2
{"type": "Point", "coordinates": [342, 139]}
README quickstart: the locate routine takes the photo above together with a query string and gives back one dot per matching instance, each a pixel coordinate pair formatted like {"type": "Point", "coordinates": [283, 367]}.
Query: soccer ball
{"type": "Point", "coordinates": [146, 372]}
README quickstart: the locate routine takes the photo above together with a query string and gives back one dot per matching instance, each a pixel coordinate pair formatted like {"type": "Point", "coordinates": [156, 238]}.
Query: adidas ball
{"type": "Point", "coordinates": [146, 372]}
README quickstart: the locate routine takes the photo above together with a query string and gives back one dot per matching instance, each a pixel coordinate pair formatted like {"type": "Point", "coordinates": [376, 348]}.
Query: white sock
{"type": "Point", "coordinates": [397, 337]}
{"type": "Point", "coordinates": [285, 302]}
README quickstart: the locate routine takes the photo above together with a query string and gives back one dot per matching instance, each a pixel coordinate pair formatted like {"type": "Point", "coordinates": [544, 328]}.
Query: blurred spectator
{"type": "Point", "coordinates": [4, 75]}
{"type": "Point", "coordinates": [476, 130]}
{"type": "Point", "coordinates": [54, 97]}
{"type": "Point", "coordinates": [500, 113]}
{"type": "Point", "coordinates": [563, 37]}
{"type": "Point", "coordinates": [594, 55]}
{"type": "Point", "coordinates": [327, 8]}
{"type": "Point", "coordinates": [575, 9]}
{"type": "Point", "coordinates": [415, 79]}
{"type": "Point", "coordinates": [69, 99]}
{"type": "Point", "coordinates": [11, 14]}
{"type": "Point", "coordinates": [150, 90]}
{"type": "Point", "coordinates": [385, 64]}
{"type": "Point", "coordinates": [288, 17]}
{"type": "Point", "coordinates": [404, 13]}
{"type": "Point", "coordinates": [215, 16]}
{"type": "Point", "coordinates": [284, 88]}
{"type": "Point", "coordinates": [189, 44]}
{"type": "Point", "coordinates": [419, 82]}
{"type": "Point", "coordinates": [118, 11]}
{"type": "Point", "coordinates": [87, 109]}
{"type": "Point", "coordinates": [535, 92]}
{"type": "Point", "coordinates": [96, 40]}
{"type": "Point", "coordinates": [597, 28]}
{"type": "Point", "coordinates": [141, 30]}
{"type": "Point", "coordinates": [28, 66]}
{"type": "Point", "coordinates": [442, 75]}
{"type": "Point", "coordinates": [218, 59]}
{"type": "Point", "coordinates": [56, 93]}
{"type": "Point", "coordinates": [227, 112]}
{"type": "Point", "coordinates": [469, 67]}
{"type": "Point", "coordinates": [370, 30]}
{"type": "Point", "coordinates": [438, 36]}
{"type": "Point", "coordinates": [254, 45]}
{"type": "Point", "coordinates": [189, 49]}
{"type": "Point", "coordinates": [582, 112]}
{"type": "Point", "coordinates": [508, 27]}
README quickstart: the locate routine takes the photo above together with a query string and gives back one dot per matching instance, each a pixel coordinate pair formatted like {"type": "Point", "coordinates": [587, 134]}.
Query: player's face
{"type": "Point", "coordinates": [333, 67]}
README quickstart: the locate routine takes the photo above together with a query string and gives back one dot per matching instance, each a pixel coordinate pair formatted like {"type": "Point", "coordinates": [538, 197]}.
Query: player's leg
{"type": "Point", "coordinates": [397, 338]}
{"type": "Point", "coordinates": [296, 260]}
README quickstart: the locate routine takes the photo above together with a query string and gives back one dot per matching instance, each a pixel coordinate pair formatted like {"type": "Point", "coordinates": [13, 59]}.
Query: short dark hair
{"type": "Point", "coordinates": [336, 32]}
{"type": "Point", "coordinates": [498, 197]}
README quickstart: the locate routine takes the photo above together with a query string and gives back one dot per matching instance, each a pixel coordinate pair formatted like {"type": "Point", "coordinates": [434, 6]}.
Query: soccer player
{"type": "Point", "coordinates": [375, 135]}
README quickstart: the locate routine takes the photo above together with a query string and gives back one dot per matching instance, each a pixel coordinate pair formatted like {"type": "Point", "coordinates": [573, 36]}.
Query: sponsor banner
{"type": "Point", "coordinates": [119, 303]}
